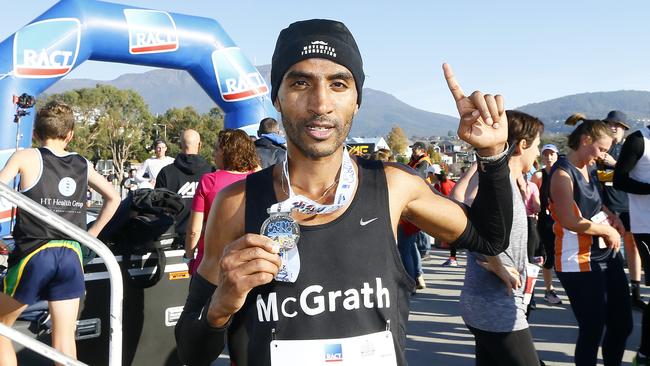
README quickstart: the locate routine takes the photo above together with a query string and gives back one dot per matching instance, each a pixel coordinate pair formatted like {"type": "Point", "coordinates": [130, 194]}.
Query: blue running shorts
{"type": "Point", "coordinates": [52, 272]}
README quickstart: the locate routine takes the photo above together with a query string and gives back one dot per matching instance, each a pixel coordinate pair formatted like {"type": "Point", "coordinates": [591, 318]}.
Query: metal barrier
{"type": "Point", "coordinates": [38, 347]}
{"type": "Point", "coordinates": [115, 275]}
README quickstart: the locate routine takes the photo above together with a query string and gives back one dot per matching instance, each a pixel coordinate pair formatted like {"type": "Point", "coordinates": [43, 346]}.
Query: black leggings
{"type": "Point", "coordinates": [600, 301]}
{"type": "Point", "coordinates": [504, 348]}
{"type": "Point", "coordinates": [643, 244]}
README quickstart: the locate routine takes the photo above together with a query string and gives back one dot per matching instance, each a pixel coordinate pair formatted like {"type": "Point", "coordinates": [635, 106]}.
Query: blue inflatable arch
{"type": "Point", "coordinates": [73, 31]}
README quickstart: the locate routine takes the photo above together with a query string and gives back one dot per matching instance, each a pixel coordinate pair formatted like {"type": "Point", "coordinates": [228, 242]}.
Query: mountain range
{"type": "Point", "coordinates": [380, 111]}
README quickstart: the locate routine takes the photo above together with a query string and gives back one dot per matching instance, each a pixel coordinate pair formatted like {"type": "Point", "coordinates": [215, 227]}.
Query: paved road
{"type": "Point", "coordinates": [437, 335]}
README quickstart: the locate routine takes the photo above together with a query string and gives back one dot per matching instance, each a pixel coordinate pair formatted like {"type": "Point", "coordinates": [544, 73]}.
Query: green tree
{"type": "Point", "coordinates": [435, 156]}
{"type": "Point", "coordinates": [397, 140]}
{"type": "Point", "coordinates": [123, 122]}
{"type": "Point", "coordinates": [111, 123]}
{"type": "Point", "coordinates": [208, 125]}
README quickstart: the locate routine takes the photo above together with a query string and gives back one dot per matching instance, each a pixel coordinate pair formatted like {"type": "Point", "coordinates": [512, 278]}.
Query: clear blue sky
{"type": "Point", "coordinates": [529, 51]}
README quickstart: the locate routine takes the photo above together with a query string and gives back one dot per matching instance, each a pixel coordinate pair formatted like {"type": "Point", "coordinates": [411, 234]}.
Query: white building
{"type": "Point", "coordinates": [379, 141]}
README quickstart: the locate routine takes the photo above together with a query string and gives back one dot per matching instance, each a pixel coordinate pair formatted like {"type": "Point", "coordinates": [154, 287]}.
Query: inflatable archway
{"type": "Point", "coordinates": [73, 31]}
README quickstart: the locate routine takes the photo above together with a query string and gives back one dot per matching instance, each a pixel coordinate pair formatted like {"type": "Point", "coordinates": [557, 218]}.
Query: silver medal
{"type": "Point", "coordinates": [282, 229]}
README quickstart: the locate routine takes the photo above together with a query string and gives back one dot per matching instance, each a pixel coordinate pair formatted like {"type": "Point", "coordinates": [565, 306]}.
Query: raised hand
{"type": "Point", "coordinates": [483, 122]}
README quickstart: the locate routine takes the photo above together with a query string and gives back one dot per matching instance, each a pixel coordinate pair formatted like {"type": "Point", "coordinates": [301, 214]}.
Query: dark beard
{"type": "Point", "coordinates": [295, 134]}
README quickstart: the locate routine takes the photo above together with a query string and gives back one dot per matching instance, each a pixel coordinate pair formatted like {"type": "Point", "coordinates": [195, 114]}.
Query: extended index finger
{"type": "Point", "coordinates": [452, 83]}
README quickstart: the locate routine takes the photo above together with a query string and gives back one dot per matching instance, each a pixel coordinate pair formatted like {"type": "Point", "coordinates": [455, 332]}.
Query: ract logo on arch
{"type": "Point", "coordinates": [47, 49]}
{"type": "Point", "coordinates": [151, 31]}
{"type": "Point", "coordinates": [237, 78]}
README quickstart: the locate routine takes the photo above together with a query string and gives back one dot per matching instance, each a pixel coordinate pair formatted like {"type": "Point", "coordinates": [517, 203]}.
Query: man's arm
{"type": "Point", "coordinates": [484, 228]}
{"type": "Point", "coordinates": [139, 175]}
{"type": "Point", "coordinates": [110, 197]}
{"type": "Point", "coordinates": [631, 152]}
{"type": "Point", "coordinates": [233, 264]}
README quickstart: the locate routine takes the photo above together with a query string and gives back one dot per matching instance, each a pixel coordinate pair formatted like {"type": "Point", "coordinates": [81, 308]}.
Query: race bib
{"type": "Point", "coordinates": [376, 349]}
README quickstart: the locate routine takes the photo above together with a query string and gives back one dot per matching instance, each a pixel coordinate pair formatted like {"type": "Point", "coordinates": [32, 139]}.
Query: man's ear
{"type": "Point", "coordinates": [36, 137]}
{"type": "Point", "coordinates": [276, 104]}
{"type": "Point", "coordinates": [69, 136]}
{"type": "Point", "coordinates": [356, 110]}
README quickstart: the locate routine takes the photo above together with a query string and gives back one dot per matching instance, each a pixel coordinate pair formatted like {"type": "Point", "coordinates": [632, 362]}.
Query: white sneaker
{"type": "Point", "coordinates": [420, 283]}
{"type": "Point", "coordinates": [451, 262]}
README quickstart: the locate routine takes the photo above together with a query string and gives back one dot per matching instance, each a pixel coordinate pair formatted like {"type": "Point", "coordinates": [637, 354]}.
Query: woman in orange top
{"type": "Point", "coordinates": [587, 240]}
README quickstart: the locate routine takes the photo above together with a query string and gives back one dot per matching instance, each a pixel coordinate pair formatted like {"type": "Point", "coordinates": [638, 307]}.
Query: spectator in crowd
{"type": "Point", "coordinates": [46, 263]}
{"type": "Point", "coordinates": [235, 158]}
{"type": "Point", "coordinates": [632, 175]}
{"type": "Point", "coordinates": [588, 236]}
{"type": "Point", "coordinates": [542, 180]}
{"type": "Point", "coordinates": [443, 185]}
{"type": "Point", "coordinates": [182, 177]}
{"type": "Point", "coordinates": [271, 145]}
{"type": "Point", "coordinates": [130, 183]}
{"type": "Point", "coordinates": [617, 201]}
{"type": "Point", "coordinates": [152, 166]}
{"type": "Point", "coordinates": [420, 160]}
{"type": "Point", "coordinates": [384, 155]}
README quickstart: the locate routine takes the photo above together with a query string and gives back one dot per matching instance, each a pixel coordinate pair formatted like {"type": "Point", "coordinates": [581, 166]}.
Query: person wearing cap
{"type": "Point", "coordinates": [341, 285]}
{"type": "Point", "coordinates": [152, 166]}
{"type": "Point", "coordinates": [420, 160]}
{"type": "Point", "coordinates": [632, 175]}
{"type": "Point", "coordinates": [617, 201]}
{"type": "Point", "coordinates": [541, 178]}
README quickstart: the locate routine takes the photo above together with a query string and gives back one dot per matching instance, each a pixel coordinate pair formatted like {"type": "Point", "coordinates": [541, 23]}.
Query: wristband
{"type": "Point", "coordinates": [484, 162]}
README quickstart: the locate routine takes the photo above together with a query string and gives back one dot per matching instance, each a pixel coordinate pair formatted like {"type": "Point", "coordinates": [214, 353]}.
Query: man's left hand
{"type": "Point", "coordinates": [483, 122]}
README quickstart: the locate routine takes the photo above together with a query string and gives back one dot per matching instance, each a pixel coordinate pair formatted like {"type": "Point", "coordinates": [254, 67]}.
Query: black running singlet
{"type": "Point", "coordinates": [351, 279]}
{"type": "Point", "coordinates": [61, 188]}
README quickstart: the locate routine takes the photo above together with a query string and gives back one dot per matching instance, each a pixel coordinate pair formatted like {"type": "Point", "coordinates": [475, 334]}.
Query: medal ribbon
{"type": "Point", "coordinates": [302, 204]}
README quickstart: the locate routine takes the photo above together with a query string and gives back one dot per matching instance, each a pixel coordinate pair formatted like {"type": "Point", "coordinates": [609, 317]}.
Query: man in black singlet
{"type": "Point", "coordinates": [341, 293]}
{"type": "Point", "coordinates": [46, 264]}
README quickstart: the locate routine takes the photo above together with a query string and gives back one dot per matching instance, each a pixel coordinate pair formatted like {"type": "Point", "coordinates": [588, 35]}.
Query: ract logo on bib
{"type": "Point", "coordinates": [333, 352]}
{"type": "Point", "coordinates": [47, 49]}
{"type": "Point", "coordinates": [151, 31]}
{"type": "Point", "coordinates": [237, 78]}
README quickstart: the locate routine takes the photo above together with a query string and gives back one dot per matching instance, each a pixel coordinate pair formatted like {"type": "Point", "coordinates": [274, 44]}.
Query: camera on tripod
{"type": "Point", "coordinates": [23, 102]}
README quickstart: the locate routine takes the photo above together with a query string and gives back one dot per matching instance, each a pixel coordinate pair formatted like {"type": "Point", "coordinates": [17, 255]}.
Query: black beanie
{"type": "Point", "coordinates": [316, 38]}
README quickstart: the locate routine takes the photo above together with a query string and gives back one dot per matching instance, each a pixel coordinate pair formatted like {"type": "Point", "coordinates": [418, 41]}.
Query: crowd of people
{"type": "Point", "coordinates": [294, 244]}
